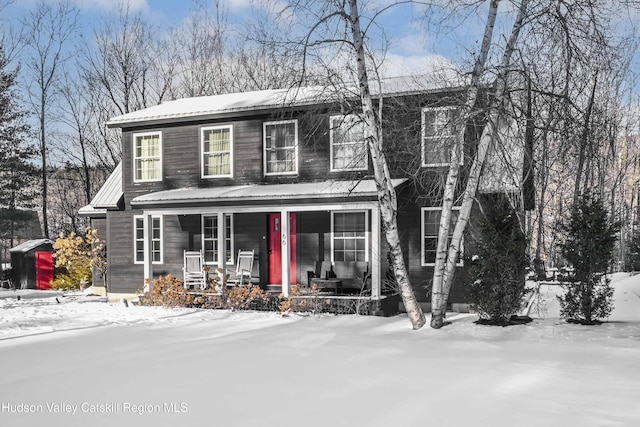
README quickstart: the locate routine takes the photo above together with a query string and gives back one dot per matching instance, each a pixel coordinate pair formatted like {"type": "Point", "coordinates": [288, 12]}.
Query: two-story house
{"type": "Point", "coordinates": [285, 173]}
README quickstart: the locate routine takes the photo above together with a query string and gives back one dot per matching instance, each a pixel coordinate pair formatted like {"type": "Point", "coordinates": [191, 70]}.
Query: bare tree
{"type": "Point", "coordinates": [11, 36]}
{"type": "Point", "coordinates": [576, 57]}
{"type": "Point", "coordinates": [332, 27]}
{"type": "Point", "coordinates": [67, 196]}
{"type": "Point", "coordinates": [50, 29]}
{"type": "Point", "coordinates": [105, 144]}
{"type": "Point", "coordinates": [74, 144]}
{"type": "Point", "coordinates": [199, 47]}
{"type": "Point", "coordinates": [124, 68]}
{"type": "Point", "coordinates": [552, 81]}
{"type": "Point", "coordinates": [446, 257]}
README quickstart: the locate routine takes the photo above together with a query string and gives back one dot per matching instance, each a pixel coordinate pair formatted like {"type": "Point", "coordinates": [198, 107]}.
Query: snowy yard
{"type": "Point", "coordinates": [88, 363]}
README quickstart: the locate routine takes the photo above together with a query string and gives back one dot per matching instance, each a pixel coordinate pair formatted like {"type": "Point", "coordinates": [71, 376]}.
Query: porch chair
{"type": "Point", "coordinates": [244, 268]}
{"type": "Point", "coordinates": [194, 275]}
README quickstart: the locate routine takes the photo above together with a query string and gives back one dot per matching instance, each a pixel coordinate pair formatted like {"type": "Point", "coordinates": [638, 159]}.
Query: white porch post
{"type": "Point", "coordinates": [147, 224]}
{"type": "Point", "coordinates": [222, 246]}
{"type": "Point", "coordinates": [286, 251]}
{"type": "Point", "coordinates": [375, 252]}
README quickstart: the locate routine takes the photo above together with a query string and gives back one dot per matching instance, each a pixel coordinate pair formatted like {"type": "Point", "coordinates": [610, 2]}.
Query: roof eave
{"type": "Point", "coordinates": [195, 117]}
{"type": "Point", "coordinates": [91, 212]}
{"type": "Point", "coordinates": [250, 111]}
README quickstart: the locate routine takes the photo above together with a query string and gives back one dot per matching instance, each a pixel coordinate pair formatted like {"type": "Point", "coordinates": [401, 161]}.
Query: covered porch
{"type": "Point", "coordinates": [333, 225]}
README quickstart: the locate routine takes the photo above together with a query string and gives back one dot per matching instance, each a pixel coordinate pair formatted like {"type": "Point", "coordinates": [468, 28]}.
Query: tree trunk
{"type": "Point", "coordinates": [584, 142]}
{"type": "Point", "coordinates": [453, 174]}
{"type": "Point", "coordinates": [43, 152]}
{"type": "Point", "coordinates": [488, 135]}
{"type": "Point", "coordinates": [386, 192]}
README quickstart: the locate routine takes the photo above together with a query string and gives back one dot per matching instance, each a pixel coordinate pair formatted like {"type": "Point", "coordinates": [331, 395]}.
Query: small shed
{"type": "Point", "coordinates": [32, 264]}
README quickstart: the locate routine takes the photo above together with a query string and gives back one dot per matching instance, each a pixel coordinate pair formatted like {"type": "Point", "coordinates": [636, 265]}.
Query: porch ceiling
{"type": "Point", "coordinates": [262, 193]}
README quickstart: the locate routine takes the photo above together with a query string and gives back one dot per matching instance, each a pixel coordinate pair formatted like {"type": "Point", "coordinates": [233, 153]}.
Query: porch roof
{"type": "Point", "coordinates": [263, 193]}
{"type": "Point", "coordinates": [108, 197]}
{"type": "Point", "coordinates": [91, 212]}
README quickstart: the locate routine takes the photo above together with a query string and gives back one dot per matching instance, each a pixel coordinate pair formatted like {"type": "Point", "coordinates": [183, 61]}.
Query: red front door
{"type": "Point", "coordinates": [275, 249]}
{"type": "Point", "coordinates": [44, 270]}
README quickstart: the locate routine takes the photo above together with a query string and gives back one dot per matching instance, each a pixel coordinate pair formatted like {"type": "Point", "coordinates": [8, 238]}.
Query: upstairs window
{"type": "Point", "coordinates": [156, 239]}
{"type": "Point", "coordinates": [217, 152]}
{"type": "Point", "coordinates": [439, 134]}
{"type": "Point", "coordinates": [349, 150]}
{"type": "Point", "coordinates": [349, 236]}
{"type": "Point", "coordinates": [210, 238]}
{"type": "Point", "coordinates": [281, 147]}
{"type": "Point", "coordinates": [430, 227]}
{"type": "Point", "coordinates": [147, 157]}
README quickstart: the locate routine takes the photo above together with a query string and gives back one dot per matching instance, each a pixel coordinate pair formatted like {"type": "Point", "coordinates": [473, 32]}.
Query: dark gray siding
{"type": "Point", "coordinates": [182, 168]}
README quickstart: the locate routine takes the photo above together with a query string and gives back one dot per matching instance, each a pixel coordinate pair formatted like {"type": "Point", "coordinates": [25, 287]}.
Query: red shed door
{"type": "Point", "coordinates": [275, 249]}
{"type": "Point", "coordinates": [44, 270]}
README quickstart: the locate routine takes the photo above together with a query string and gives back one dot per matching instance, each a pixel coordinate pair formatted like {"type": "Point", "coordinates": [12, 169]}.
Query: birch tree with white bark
{"type": "Point", "coordinates": [561, 53]}
{"type": "Point", "coordinates": [338, 27]}
{"type": "Point", "coordinates": [449, 247]}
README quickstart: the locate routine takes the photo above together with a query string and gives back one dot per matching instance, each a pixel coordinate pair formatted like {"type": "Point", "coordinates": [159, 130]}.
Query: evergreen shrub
{"type": "Point", "coordinates": [498, 270]}
{"type": "Point", "coordinates": [589, 245]}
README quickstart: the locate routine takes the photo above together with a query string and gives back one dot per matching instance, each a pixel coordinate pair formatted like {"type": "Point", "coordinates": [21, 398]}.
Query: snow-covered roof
{"type": "Point", "coordinates": [90, 211]}
{"type": "Point", "coordinates": [206, 106]}
{"type": "Point", "coordinates": [111, 191]}
{"type": "Point", "coordinates": [29, 245]}
{"type": "Point", "coordinates": [261, 192]}
{"type": "Point", "coordinates": [202, 107]}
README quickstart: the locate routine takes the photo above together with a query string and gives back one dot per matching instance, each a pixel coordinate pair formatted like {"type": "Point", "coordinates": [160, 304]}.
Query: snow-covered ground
{"type": "Point", "coordinates": [83, 362]}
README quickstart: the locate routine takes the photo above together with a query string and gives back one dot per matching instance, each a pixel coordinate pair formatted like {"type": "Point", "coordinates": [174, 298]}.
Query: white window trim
{"type": "Point", "coordinates": [264, 147]}
{"type": "Point", "coordinates": [133, 154]}
{"type": "Point", "coordinates": [423, 147]}
{"type": "Point", "coordinates": [231, 238]}
{"type": "Point", "coordinates": [231, 151]}
{"type": "Point", "coordinates": [343, 118]}
{"type": "Point", "coordinates": [366, 232]}
{"type": "Point", "coordinates": [460, 263]}
{"type": "Point", "coordinates": [135, 220]}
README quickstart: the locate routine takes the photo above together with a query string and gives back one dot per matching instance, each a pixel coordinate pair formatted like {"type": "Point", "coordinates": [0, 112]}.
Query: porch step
{"type": "Point", "coordinates": [274, 289]}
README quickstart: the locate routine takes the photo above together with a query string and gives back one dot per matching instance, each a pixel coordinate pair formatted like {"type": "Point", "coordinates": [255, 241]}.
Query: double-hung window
{"type": "Point", "coordinates": [439, 135]}
{"type": "Point", "coordinates": [348, 144]}
{"type": "Point", "coordinates": [349, 236]}
{"type": "Point", "coordinates": [156, 239]}
{"type": "Point", "coordinates": [217, 152]}
{"type": "Point", "coordinates": [147, 156]}
{"type": "Point", "coordinates": [211, 237]}
{"type": "Point", "coordinates": [280, 147]}
{"type": "Point", "coordinates": [430, 226]}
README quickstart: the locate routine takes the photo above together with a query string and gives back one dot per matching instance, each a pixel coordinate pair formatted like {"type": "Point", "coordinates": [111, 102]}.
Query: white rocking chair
{"type": "Point", "coordinates": [244, 268]}
{"type": "Point", "coordinates": [194, 275]}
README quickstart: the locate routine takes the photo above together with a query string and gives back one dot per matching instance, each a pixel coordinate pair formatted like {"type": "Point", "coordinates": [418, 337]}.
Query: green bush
{"type": "Point", "coordinates": [589, 245]}
{"type": "Point", "coordinates": [498, 269]}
